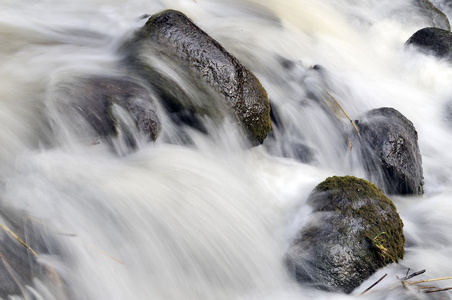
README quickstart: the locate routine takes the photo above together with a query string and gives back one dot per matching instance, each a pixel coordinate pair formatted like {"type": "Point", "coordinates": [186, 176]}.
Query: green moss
{"type": "Point", "coordinates": [351, 186]}
{"type": "Point", "coordinates": [261, 125]}
{"type": "Point", "coordinates": [359, 199]}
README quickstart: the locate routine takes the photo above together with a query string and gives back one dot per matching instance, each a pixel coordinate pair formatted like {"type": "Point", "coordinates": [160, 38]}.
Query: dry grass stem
{"type": "Point", "coordinates": [337, 103]}
{"type": "Point", "coordinates": [19, 240]}
{"type": "Point", "coordinates": [54, 275]}
{"type": "Point", "coordinates": [424, 289]}
{"type": "Point", "coordinates": [427, 280]}
{"type": "Point", "coordinates": [110, 256]}
{"type": "Point", "coordinates": [377, 282]}
{"type": "Point", "coordinates": [437, 290]}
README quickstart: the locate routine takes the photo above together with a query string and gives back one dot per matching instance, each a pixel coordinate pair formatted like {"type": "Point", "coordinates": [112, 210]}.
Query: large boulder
{"type": "Point", "coordinates": [354, 229]}
{"type": "Point", "coordinates": [194, 75]}
{"type": "Point", "coordinates": [434, 41]}
{"type": "Point", "coordinates": [388, 147]}
{"type": "Point", "coordinates": [110, 106]}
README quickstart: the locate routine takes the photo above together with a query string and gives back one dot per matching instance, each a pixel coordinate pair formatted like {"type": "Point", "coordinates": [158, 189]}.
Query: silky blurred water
{"type": "Point", "coordinates": [212, 219]}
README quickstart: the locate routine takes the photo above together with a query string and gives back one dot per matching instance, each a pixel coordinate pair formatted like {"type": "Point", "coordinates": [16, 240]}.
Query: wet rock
{"type": "Point", "coordinates": [354, 230]}
{"type": "Point", "coordinates": [111, 106]}
{"type": "Point", "coordinates": [303, 109]}
{"type": "Point", "coordinates": [388, 146]}
{"type": "Point", "coordinates": [287, 141]}
{"type": "Point", "coordinates": [433, 41]}
{"type": "Point", "coordinates": [194, 75]}
{"type": "Point", "coordinates": [439, 19]}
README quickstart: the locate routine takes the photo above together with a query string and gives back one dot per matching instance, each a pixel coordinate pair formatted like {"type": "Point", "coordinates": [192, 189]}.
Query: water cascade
{"type": "Point", "coordinates": [199, 212]}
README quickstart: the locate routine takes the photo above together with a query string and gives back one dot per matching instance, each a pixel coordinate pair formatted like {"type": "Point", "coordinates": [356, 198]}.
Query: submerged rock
{"type": "Point", "coordinates": [111, 105]}
{"type": "Point", "coordinates": [389, 149]}
{"type": "Point", "coordinates": [194, 75]}
{"type": "Point", "coordinates": [354, 230]}
{"type": "Point", "coordinates": [304, 109]}
{"type": "Point", "coordinates": [22, 242]}
{"type": "Point", "coordinates": [433, 41]}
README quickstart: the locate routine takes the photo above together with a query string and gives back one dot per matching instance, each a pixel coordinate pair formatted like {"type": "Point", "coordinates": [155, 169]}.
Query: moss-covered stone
{"type": "Point", "coordinates": [206, 76]}
{"type": "Point", "coordinates": [353, 231]}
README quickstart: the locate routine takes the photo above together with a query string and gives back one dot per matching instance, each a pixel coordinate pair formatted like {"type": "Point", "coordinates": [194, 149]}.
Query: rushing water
{"type": "Point", "coordinates": [212, 220]}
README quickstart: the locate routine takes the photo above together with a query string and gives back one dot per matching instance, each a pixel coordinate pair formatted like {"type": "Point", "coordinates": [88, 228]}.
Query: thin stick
{"type": "Point", "coordinates": [438, 290]}
{"type": "Point", "coordinates": [109, 255]}
{"type": "Point", "coordinates": [378, 281]}
{"type": "Point", "coordinates": [427, 280]}
{"type": "Point", "coordinates": [413, 274]}
{"type": "Point", "coordinates": [19, 240]}
{"type": "Point", "coordinates": [426, 287]}
{"type": "Point", "coordinates": [351, 121]}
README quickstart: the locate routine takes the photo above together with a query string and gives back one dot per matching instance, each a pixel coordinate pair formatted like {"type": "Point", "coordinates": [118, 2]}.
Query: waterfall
{"type": "Point", "coordinates": [202, 215]}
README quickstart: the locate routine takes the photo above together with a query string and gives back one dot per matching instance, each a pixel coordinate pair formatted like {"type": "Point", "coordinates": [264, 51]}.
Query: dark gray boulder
{"type": "Point", "coordinates": [439, 19]}
{"type": "Point", "coordinates": [388, 147]}
{"type": "Point", "coordinates": [109, 105]}
{"type": "Point", "coordinates": [433, 41]}
{"type": "Point", "coordinates": [354, 230]}
{"type": "Point", "coordinates": [195, 76]}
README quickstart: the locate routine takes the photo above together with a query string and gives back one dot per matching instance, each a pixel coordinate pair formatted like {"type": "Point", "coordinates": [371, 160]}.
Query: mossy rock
{"type": "Point", "coordinates": [353, 231]}
{"type": "Point", "coordinates": [201, 77]}
{"type": "Point", "coordinates": [388, 147]}
{"type": "Point", "coordinates": [434, 41]}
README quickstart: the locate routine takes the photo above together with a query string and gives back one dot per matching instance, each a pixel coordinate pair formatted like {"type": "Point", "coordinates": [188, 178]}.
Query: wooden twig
{"type": "Point", "coordinates": [413, 274]}
{"type": "Point", "coordinates": [370, 287]}
{"type": "Point", "coordinates": [19, 240]}
{"type": "Point", "coordinates": [337, 103]}
{"type": "Point", "coordinates": [437, 290]}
